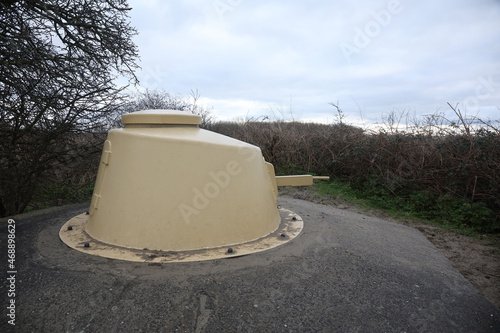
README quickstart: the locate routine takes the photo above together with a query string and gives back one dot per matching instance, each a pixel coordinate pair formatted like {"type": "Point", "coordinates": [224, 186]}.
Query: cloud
{"type": "Point", "coordinates": [244, 56]}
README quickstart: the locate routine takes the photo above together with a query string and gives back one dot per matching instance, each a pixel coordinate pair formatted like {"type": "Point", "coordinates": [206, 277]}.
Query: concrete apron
{"type": "Point", "coordinates": [344, 273]}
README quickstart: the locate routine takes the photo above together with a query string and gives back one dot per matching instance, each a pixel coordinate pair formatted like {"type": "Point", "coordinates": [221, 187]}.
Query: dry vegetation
{"type": "Point", "coordinates": [438, 169]}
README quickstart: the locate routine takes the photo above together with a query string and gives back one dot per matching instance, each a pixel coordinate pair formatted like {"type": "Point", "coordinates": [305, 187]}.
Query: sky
{"type": "Point", "coordinates": [290, 59]}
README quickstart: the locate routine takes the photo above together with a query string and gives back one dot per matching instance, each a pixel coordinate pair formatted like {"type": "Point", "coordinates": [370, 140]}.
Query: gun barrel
{"type": "Point", "coordinates": [298, 180]}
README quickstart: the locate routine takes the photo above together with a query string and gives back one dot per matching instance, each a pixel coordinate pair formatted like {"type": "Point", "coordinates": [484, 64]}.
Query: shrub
{"type": "Point", "coordinates": [446, 173]}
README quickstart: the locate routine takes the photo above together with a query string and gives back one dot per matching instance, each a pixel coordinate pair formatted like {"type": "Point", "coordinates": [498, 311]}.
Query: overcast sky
{"type": "Point", "coordinates": [251, 58]}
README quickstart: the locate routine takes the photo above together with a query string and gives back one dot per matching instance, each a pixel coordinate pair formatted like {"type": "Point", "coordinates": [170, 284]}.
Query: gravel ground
{"type": "Point", "coordinates": [346, 272]}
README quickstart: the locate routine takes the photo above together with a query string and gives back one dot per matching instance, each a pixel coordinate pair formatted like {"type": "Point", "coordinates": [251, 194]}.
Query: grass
{"type": "Point", "coordinates": [445, 212]}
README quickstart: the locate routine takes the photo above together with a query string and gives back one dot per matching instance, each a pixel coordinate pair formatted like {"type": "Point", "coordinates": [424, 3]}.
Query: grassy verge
{"type": "Point", "coordinates": [446, 212]}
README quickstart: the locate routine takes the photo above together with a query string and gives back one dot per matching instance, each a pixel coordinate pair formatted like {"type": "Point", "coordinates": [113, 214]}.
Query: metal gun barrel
{"type": "Point", "coordinates": [298, 180]}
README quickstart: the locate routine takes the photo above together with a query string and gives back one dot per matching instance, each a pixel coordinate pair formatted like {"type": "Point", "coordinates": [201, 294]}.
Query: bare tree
{"type": "Point", "coordinates": [58, 65]}
{"type": "Point", "coordinates": [339, 117]}
{"type": "Point", "coordinates": [160, 99]}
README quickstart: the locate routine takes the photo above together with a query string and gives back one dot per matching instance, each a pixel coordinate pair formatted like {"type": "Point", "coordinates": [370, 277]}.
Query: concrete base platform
{"type": "Point", "coordinates": [345, 273]}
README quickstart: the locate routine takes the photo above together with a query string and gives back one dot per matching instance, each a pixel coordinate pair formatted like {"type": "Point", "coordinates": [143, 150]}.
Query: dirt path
{"type": "Point", "coordinates": [478, 259]}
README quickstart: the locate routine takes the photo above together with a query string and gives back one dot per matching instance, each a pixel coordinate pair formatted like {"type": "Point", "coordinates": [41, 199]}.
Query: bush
{"type": "Point", "coordinates": [446, 173]}
{"type": "Point", "coordinates": [439, 173]}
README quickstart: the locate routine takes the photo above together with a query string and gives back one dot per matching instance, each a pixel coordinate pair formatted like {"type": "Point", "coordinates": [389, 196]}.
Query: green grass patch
{"type": "Point", "coordinates": [446, 211]}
